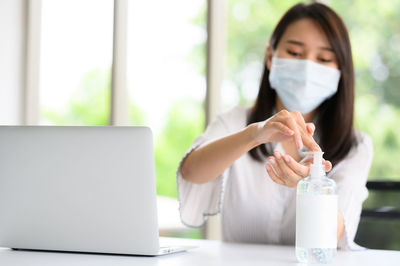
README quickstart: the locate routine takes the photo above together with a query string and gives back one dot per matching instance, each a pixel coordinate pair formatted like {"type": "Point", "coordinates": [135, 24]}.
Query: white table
{"type": "Point", "coordinates": [207, 253]}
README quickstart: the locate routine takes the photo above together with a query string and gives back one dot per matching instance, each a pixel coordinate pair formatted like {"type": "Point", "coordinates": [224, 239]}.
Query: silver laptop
{"type": "Point", "coordinates": [80, 189]}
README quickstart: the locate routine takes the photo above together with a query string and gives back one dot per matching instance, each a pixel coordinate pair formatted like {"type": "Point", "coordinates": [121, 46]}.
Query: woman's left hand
{"type": "Point", "coordinates": [284, 170]}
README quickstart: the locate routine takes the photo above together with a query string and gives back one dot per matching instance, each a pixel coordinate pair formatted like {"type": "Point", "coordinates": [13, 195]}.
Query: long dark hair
{"type": "Point", "coordinates": [334, 124]}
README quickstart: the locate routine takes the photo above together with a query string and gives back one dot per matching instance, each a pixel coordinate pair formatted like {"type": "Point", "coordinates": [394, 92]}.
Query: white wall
{"type": "Point", "coordinates": [12, 50]}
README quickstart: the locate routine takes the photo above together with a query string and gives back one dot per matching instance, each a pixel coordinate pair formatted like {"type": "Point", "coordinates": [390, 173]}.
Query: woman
{"type": "Point", "coordinates": [248, 162]}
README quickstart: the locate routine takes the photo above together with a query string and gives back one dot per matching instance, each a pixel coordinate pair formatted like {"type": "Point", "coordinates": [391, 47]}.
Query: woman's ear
{"type": "Point", "coordinates": [268, 57]}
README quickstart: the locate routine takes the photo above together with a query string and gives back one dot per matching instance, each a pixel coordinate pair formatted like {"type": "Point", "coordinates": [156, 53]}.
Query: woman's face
{"type": "Point", "coordinates": [304, 39]}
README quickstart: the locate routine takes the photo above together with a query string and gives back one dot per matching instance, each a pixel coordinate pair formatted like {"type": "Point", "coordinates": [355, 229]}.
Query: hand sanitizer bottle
{"type": "Point", "coordinates": [316, 215]}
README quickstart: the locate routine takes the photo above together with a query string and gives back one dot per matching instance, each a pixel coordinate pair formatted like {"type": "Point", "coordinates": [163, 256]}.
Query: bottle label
{"type": "Point", "coordinates": [316, 221]}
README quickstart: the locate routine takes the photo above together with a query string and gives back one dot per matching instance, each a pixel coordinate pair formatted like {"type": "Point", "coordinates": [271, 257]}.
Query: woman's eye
{"type": "Point", "coordinates": [293, 53]}
{"type": "Point", "coordinates": [324, 60]}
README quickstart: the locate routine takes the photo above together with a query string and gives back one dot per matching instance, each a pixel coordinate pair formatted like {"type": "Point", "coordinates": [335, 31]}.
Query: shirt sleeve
{"type": "Point", "coordinates": [351, 176]}
{"type": "Point", "coordinates": [198, 201]}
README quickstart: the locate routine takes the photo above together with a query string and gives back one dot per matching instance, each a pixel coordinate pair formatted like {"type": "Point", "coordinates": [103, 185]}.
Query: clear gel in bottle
{"type": "Point", "coordinates": [316, 215]}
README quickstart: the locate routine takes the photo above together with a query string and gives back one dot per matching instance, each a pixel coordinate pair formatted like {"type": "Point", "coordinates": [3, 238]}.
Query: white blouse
{"type": "Point", "coordinates": [255, 209]}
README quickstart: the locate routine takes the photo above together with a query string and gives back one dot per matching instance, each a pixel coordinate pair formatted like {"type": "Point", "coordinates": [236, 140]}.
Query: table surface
{"type": "Point", "coordinates": [206, 253]}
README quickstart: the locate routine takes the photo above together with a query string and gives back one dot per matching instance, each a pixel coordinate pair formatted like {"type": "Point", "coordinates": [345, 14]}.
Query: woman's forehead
{"type": "Point", "coordinates": [305, 32]}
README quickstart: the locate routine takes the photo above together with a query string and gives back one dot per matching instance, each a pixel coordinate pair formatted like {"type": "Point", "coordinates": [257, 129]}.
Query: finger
{"type": "Point", "coordinates": [287, 172]}
{"type": "Point", "coordinates": [296, 167]}
{"type": "Point", "coordinates": [275, 166]}
{"type": "Point", "coordinates": [299, 117]}
{"type": "Point", "coordinates": [282, 128]}
{"type": "Point", "coordinates": [328, 165]}
{"type": "Point", "coordinates": [306, 138]}
{"type": "Point", "coordinates": [273, 176]}
{"type": "Point", "coordinates": [309, 142]}
{"type": "Point", "coordinates": [310, 128]}
{"type": "Point", "coordinates": [291, 123]}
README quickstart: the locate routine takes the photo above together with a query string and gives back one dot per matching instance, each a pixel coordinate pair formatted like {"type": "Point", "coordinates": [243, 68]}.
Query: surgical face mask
{"type": "Point", "coordinates": [302, 85]}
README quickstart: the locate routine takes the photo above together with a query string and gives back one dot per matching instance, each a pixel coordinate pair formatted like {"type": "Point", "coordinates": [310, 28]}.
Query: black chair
{"type": "Point", "coordinates": [379, 226]}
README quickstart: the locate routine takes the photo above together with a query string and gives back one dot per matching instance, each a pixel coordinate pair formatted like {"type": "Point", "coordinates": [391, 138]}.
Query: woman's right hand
{"type": "Point", "coordinates": [285, 126]}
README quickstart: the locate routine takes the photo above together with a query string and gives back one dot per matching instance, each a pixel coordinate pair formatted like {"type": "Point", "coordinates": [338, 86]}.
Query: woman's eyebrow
{"type": "Point", "coordinates": [326, 48]}
{"type": "Point", "coordinates": [295, 42]}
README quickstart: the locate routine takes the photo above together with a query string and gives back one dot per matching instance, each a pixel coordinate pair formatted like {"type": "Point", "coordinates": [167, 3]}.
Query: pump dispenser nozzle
{"type": "Point", "coordinates": [317, 168]}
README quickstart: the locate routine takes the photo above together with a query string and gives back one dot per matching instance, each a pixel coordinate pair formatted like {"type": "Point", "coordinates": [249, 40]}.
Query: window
{"type": "Point", "coordinates": [166, 80]}
{"type": "Point", "coordinates": [75, 66]}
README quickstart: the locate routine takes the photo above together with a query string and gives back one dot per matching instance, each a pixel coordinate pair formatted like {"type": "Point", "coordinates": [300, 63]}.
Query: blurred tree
{"type": "Point", "coordinates": [88, 106]}
{"type": "Point", "coordinates": [185, 122]}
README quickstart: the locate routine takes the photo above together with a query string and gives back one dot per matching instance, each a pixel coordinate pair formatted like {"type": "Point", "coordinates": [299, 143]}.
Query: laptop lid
{"type": "Point", "coordinates": [85, 189]}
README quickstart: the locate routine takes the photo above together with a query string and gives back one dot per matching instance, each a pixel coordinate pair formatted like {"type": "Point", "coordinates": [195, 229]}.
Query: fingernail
{"type": "Point", "coordinates": [271, 159]}
{"type": "Point", "coordinates": [299, 144]}
{"type": "Point", "coordinates": [268, 167]}
{"type": "Point", "coordinates": [277, 155]}
{"type": "Point", "coordinates": [287, 159]}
